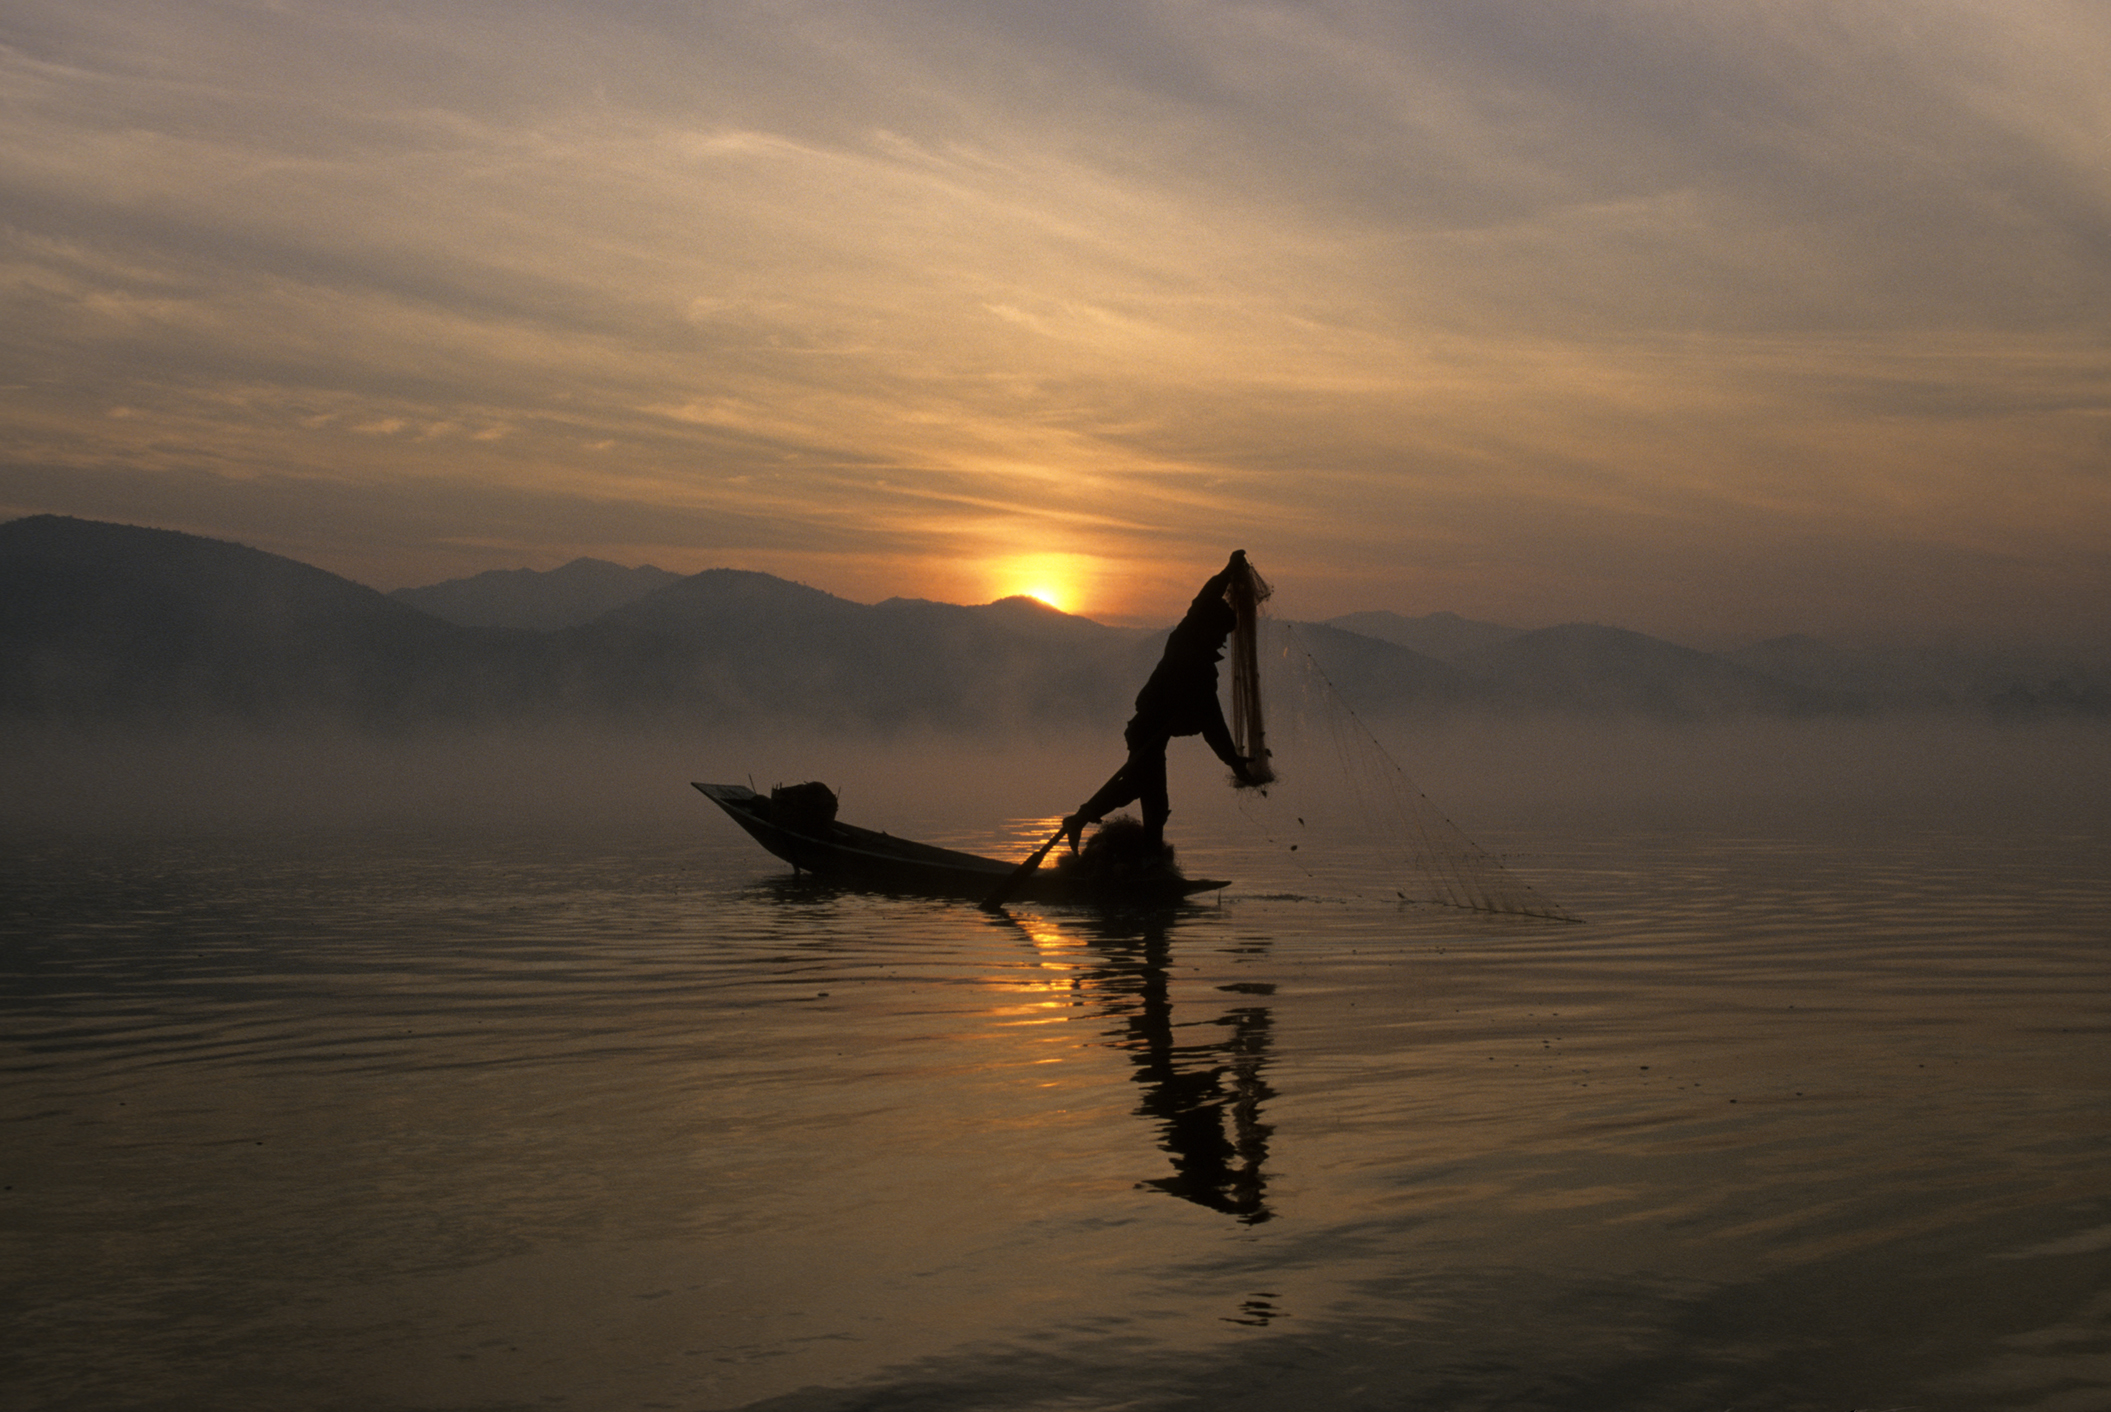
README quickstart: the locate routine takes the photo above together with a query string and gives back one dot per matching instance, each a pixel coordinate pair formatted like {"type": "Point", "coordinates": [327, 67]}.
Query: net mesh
{"type": "Point", "coordinates": [1249, 731]}
{"type": "Point", "coordinates": [1333, 781]}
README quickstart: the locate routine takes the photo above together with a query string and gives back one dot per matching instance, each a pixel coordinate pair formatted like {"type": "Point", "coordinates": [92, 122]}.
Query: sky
{"type": "Point", "coordinates": [1711, 319]}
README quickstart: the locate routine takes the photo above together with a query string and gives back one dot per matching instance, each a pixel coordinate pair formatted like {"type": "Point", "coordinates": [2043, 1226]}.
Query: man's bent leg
{"type": "Point", "coordinates": [1148, 776]}
{"type": "Point", "coordinates": [1112, 795]}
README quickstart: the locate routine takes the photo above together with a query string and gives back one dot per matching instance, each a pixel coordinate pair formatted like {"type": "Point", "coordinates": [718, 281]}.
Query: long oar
{"type": "Point", "coordinates": [1003, 891]}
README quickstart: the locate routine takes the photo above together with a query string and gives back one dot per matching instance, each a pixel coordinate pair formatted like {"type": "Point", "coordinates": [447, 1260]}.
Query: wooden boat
{"type": "Point", "coordinates": [879, 862]}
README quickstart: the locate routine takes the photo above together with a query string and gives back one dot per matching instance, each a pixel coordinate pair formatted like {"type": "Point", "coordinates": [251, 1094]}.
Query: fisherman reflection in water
{"type": "Point", "coordinates": [1206, 1094]}
{"type": "Point", "coordinates": [1202, 1079]}
{"type": "Point", "coordinates": [1179, 699]}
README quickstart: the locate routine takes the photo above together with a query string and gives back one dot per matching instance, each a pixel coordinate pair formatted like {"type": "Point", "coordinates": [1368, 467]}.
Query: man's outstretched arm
{"type": "Point", "coordinates": [1218, 735]}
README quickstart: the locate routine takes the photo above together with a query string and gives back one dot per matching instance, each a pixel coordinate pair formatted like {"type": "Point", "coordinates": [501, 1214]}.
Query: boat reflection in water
{"type": "Point", "coordinates": [1201, 1069]}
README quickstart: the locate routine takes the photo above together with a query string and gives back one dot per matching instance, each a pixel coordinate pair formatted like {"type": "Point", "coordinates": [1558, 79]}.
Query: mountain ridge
{"type": "Point", "coordinates": [127, 625]}
{"type": "Point", "coordinates": [537, 600]}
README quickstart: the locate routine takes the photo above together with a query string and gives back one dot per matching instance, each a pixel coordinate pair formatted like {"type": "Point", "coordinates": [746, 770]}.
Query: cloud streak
{"type": "Point", "coordinates": [1444, 305]}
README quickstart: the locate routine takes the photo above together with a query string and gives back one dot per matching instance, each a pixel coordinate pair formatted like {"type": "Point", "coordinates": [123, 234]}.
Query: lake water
{"type": "Point", "coordinates": [593, 1115]}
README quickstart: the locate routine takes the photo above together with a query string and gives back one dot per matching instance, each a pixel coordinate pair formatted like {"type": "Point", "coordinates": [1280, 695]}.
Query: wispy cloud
{"type": "Point", "coordinates": [1498, 308]}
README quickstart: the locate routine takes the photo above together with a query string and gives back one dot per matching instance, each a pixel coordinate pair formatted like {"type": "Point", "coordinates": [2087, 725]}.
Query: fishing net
{"type": "Point", "coordinates": [1342, 812]}
{"type": "Point", "coordinates": [1247, 591]}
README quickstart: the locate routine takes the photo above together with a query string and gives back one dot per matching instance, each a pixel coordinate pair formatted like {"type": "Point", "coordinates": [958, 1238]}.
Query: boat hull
{"type": "Point", "coordinates": [871, 861]}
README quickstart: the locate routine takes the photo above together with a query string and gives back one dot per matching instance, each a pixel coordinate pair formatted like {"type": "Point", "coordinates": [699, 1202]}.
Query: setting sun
{"type": "Point", "coordinates": [1059, 580]}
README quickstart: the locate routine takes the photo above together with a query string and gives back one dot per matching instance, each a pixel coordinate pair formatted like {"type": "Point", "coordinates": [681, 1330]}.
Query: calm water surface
{"type": "Point", "coordinates": [593, 1118]}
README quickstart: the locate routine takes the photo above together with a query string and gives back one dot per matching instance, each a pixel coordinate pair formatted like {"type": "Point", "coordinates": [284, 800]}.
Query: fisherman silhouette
{"type": "Point", "coordinates": [1179, 699]}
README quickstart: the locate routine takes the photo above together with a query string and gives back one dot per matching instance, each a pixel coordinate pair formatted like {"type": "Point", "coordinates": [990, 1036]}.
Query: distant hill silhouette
{"type": "Point", "coordinates": [1578, 668]}
{"type": "Point", "coordinates": [2009, 684]}
{"type": "Point", "coordinates": [537, 601]}
{"type": "Point", "coordinates": [1444, 636]}
{"type": "Point", "coordinates": [750, 645]}
{"type": "Point", "coordinates": [1601, 670]}
{"type": "Point", "coordinates": [117, 625]}
{"type": "Point", "coordinates": [102, 622]}
{"type": "Point", "coordinates": [1372, 674]}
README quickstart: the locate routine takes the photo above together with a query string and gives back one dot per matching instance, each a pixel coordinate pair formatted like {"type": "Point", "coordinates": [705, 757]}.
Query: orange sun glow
{"type": "Point", "coordinates": [1056, 579]}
